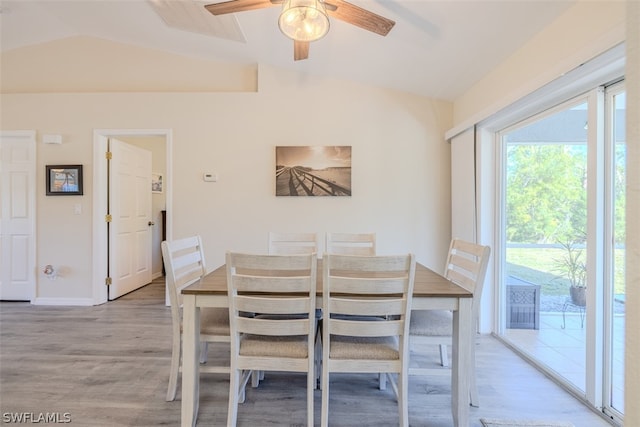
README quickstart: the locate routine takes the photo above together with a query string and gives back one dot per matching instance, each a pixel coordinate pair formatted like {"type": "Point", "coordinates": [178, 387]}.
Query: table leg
{"type": "Point", "coordinates": [190, 361]}
{"type": "Point", "coordinates": [461, 369]}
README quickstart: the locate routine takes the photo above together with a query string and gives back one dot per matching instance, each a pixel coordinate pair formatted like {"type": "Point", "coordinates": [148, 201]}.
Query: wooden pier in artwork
{"type": "Point", "coordinates": [296, 181]}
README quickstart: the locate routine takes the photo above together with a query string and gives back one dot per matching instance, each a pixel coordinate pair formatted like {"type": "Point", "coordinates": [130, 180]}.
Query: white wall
{"type": "Point", "coordinates": [400, 164]}
{"type": "Point", "coordinates": [584, 31]}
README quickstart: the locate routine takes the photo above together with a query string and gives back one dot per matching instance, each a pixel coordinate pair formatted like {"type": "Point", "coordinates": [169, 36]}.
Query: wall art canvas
{"type": "Point", "coordinates": [313, 171]}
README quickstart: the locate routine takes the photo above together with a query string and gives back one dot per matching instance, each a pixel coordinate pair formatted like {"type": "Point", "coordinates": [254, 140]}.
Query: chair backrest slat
{"type": "Point", "coordinates": [187, 269]}
{"type": "Point", "coordinates": [370, 307]}
{"type": "Point", "coordinates": [465, 281]}
{"type": "Point", "coordinates": [469, 266]}
{"type": "Point", "coordinates": [246, 283]}
{"type": "Point", "coordinates": [254, 304]}
{"type": "Point", "coordinates": [351, 243]}
{"type": "Point", "coordinates": [366, 328]}
{"type": "Point", "coordinates": [263, 264]}
{"type": "Point", "coordinates": [292, 243]}
{"type": "Point", "coordinates": [369, 285]}
{"type": "Point", "coordinates": [247, 325]}
{"type": "Point", "coordinates": [384, 265]}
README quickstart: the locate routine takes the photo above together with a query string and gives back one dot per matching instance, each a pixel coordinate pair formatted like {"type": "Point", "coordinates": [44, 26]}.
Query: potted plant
{"type": "Point", "coordinates": [574, 269]}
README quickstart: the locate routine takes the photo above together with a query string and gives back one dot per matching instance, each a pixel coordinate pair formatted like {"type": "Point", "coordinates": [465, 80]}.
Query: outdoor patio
{"type": "Point", "coordinates": [563, 349]}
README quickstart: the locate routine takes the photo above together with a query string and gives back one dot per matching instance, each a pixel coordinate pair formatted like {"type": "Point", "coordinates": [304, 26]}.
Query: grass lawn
{"type": "Point", "coordinates": [539, 265]}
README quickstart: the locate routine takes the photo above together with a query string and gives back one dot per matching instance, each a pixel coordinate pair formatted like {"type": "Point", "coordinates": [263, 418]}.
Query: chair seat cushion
{"type": "Point", "coordinates": [431, 323]}
{"type": "Point", "coordinates": [368, 348]}
{"type": "Point", "coordinates": [214, 321]}
{"type": "Point", "coordinates": [274, 346]}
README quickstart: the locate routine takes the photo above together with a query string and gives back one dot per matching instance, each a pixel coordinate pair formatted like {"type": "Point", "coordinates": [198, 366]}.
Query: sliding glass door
{"type": "Point", "coordinates": [562, 243]}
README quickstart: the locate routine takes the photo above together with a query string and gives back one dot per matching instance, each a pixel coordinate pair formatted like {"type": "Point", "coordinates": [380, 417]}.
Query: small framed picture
{"type": "Point", "coordinates": [64, 180]}
{"type": "Point", "coordinates": [156, 182]}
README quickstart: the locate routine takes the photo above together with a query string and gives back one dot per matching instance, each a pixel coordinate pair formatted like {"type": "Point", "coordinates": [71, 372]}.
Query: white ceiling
{"type": "Point", "coordinates": [437, 48]}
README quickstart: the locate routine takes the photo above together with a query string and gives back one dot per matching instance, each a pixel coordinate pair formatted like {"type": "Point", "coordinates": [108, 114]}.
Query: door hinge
{"type": "Point", "coordinates": [108, 155]}
{"type": "Point", "coordinates": [107, 218]}
{"type": "Point", "coordinates": [107, 281]}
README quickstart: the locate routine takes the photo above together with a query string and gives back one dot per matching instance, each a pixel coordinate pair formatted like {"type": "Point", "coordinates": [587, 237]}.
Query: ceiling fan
{"type": "Point", "coordinates": [306, 20]}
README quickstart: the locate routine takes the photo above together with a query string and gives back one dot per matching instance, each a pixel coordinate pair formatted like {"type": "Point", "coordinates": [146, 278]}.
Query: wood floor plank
{"type": "Point", "coordinates": [108, 366]}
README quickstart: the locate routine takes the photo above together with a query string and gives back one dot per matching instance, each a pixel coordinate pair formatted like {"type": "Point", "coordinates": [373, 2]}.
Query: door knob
{"type": "Point", "coordinates": [150, 223]}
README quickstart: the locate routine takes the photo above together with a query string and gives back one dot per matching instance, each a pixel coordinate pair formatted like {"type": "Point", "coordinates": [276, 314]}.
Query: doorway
{"type": "Point", "coordinates": [162, 137]}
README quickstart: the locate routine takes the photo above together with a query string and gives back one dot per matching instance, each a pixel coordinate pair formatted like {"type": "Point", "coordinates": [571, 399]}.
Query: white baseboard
{"type": "Point", "coordinates": [63, 301]}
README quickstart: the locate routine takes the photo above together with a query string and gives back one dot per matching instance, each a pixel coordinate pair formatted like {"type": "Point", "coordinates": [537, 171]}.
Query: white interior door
{"type": "Point", "coordinates": [130, 210]}
{"type": "Point", "coordinates": [17, 216]}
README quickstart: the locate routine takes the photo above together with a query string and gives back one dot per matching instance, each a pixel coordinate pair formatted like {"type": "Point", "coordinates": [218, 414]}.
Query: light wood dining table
{"type": "Point", "coordinates": [431, 292]}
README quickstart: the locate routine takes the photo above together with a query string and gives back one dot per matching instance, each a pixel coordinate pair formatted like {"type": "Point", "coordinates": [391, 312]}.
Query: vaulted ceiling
{"type": "Point", "coordinates": [436, 48]}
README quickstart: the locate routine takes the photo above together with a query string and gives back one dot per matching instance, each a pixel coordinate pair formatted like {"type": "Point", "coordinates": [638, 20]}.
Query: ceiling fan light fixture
{"type": "Point", "coordinates": [303, 20]}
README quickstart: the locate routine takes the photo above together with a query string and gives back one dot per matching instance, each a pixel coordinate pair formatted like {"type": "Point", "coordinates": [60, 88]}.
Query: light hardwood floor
{"type": "Point", "coordinates": [108, 366]}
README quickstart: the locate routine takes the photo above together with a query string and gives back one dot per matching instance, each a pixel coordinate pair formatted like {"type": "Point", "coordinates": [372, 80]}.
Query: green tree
{"type": "Point", "coordinates": [546, 192]}
{"type": "Point", "coordinates": [619, 196]}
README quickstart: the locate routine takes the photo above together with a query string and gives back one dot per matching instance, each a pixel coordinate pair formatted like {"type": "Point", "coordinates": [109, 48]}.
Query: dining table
{"type": "Point", "coordinates": [431, 291]}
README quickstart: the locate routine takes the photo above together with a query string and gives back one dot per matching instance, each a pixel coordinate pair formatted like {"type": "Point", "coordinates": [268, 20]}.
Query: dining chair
{"type": "Point", "coordinates": [354, 244]}
{"type": "Point", "coordinates": [289, 243]}
{"type": "Point", "coordinates": [292, 243]}
{"type": "Point", "coordinates": [367, 306]}
{"type": "Point", "coordinates": [466, 266]}
{"type": "Point", "coordinates": [282, 288]}
{"type": "Point", "coordinates": [351, 243]}
{"type": "Point", "coordinates": [184, 265]}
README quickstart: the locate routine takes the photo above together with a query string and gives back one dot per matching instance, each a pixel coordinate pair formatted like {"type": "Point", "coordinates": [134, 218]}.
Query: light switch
{"type": "Point", "coordinates": [77, 209]}
{"type": "Point", "coordinates": [210, 177]}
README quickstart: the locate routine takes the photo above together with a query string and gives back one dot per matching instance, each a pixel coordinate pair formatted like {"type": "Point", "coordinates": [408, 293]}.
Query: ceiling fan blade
{"type": "Point", "coordinates": [358, 16]}
{"type": "Point", "coordinates": [233, 6]}
{"type": "Point", "coordinates": [300, 50]}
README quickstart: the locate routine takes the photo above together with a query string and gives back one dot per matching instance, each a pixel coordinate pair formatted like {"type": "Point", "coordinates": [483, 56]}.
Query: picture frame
{"type": "Point", "coordinates": [157, 183]}
{"type": "Point", "coordinates": [312, 171]}
{"type": "Point", "coordinates": [64, 180]}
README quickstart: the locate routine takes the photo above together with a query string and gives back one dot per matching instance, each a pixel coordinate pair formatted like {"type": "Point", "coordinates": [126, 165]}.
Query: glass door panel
{"type": "Point", "coordinates": [617, 105]}
{"type": "Point", "coordinates": [545, 220]}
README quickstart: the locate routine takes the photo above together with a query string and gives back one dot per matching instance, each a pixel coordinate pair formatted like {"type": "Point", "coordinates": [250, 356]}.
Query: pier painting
{"type": "Point", "coordinates": [313, 171]}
